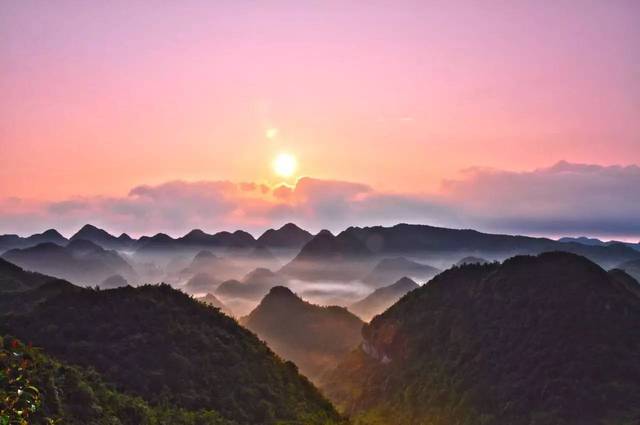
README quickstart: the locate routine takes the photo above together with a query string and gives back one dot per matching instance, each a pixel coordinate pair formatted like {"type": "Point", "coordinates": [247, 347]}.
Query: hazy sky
{"type": "Point", "coordinates": [99, 98]}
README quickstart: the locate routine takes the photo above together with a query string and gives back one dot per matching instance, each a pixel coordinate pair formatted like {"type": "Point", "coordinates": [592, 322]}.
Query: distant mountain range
{"type": "Point", "coordinates": [537, 339]}
{"type": "Point", "coordinates": [398, 239]}
{"type": "Point", "coordinates": [382, 298]}
{"type": "Point", "coordinates": [352, 254]}
{"type": "Point", "coordinates": [14, 241]}
{"type": "Point", "coordinates": [253, 286]}
{"type": "Point", "coordinates": [288, 236]}
{"type": "Point", "coordinates": [391, 269]}
{"type": "Point", "coordinates": [79, 261]}
{"type": "Point", "coordinates": [348, 256]}
{"type": "Point", "coordinates": [597, 242]}
{"type": "Point", "coordinates": [351, 251]}
{"type": "Point", "coordinates": [315, 338]}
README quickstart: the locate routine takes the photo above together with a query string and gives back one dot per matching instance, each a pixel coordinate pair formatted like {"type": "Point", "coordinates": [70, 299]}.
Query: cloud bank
{"type": "Point", "coordinates": [563, 199]}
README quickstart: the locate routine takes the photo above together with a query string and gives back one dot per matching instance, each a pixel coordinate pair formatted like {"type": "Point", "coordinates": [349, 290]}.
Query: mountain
{"type": "Point", "coordinates": [193, 241]}
{"type": "Point", "coordinates": [14, 278]}
{"type": "Point", "coordinates": [8, 242]}
{"type": "Point", "coordinates": [471, 260]}
{"type": "Point", "coordinates": [212, 300]}
{"type": "Point", "coordinates": [288, 236]}
{"type": "Point", "coordinates": [103, 238]}
{"type": "Point", "coordinates": [411, 238]}
{"type": "Point", "coordinates": [56, 392]}
{"type": "Point", "coordinates": [261, 257]}
{"type": "Point", "coordinates": [158, 243]}
{"type": "Point", "coordinates": [254, 285]}
{"type": "Point", "coordinates": [198, 238]}
{"type": "Point", "coordinates": [114, 281]}
{"type": "Point", "coordinates": [626, 281]}
{"type": "Point", "coordinates": [201, 282]}
{"type": "Point", "coordinates": [597, 242]}
{"type": "Point", "coordinates": [348, 256]}
{"type": "Point", "coordinates": [311, 336]}
{"type": "Point", "coordinates": [159, 344]}
{"type": "Point", "coordinates": [392, 269]}
{"type": "Point", "coordinates": [583, 240]}
{"type": "Point", "coordinates": [548, 339]}
{"type": "Point", "coordinates": [382, 298]}
{"type": "Point", "coordinates": [80, 261]}
{"type": "Point", "coordinates": [631, 267]}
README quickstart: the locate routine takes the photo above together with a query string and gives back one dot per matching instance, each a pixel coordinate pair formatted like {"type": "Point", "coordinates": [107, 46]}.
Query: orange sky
{"type": "Point", "coordinates": [97, 100]}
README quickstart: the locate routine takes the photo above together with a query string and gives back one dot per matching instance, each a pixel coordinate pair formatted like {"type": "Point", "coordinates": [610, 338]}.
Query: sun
{"type": "Point", "coordinates": [285, 164]}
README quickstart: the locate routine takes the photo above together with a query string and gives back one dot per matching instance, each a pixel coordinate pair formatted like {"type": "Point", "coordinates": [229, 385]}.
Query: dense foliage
{"type": "Point", "coordinates": [552, 339]}
{"type": "Point", "coordinates": [160, 344]}
{"type": "Point", "coordinates": [35, 389]}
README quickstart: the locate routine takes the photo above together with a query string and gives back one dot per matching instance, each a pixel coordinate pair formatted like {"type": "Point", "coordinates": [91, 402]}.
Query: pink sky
{"type": "Point", "coordinates": [101, 97]}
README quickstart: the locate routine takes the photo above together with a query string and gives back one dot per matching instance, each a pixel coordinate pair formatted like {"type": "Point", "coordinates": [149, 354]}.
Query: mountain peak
{"type": "Point", "coordinates": [89, 231]}
{"type": "Point", "coordinates": [287, 236]}
{"type": "Point", "coordinates": [281, 291]}
{"type": "Point", "coordinates": [406, 282]}
{"type": "Point", "coordinates": [195, 233]}
{"type": "Point", "coordinates": [204, 254]}
{"type": "Point", "coordinates": [52, 233]}
{"type": "Point", "coordinates": [289, 227]}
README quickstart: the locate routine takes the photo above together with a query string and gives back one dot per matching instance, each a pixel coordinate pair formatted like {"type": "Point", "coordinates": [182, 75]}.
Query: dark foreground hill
{"type": "Point", "coordinates": [167, 348]}
{"type": "Point", "coordinates": [311, 336]}
{"type": "Point", "coordinates": [552, 339]}
{"type": "Point", "coordinates": [39, 390]}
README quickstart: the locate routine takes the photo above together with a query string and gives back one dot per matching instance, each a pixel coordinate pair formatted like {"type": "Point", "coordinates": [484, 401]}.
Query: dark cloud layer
{"type": "Point", "coordinates": [563, 199]}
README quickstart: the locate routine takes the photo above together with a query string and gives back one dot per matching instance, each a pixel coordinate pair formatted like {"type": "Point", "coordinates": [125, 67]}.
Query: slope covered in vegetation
{"type": "Point", "coordinates": [36, 389]}
{"type": "Point", "coordinates": [552, 339]}
{"type": "Point", "coordinates": [167, 348]}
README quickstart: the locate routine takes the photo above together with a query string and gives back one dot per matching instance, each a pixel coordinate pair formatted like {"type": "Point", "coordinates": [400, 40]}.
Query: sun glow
{"type": "Point", "coordinates": [285, 164]}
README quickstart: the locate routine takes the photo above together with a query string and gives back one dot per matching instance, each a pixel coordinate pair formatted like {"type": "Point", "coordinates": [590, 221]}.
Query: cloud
{"type": "Point", "coordinates": [563, 199]}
